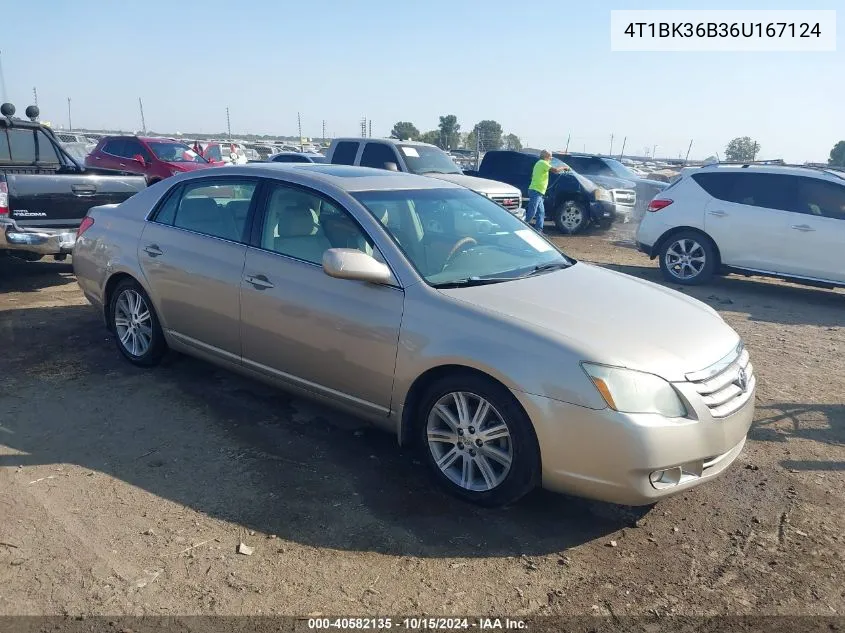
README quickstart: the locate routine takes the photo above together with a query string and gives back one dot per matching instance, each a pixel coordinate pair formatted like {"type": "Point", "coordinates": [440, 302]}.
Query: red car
{"type": "Point", "coordinates": [155, 158]}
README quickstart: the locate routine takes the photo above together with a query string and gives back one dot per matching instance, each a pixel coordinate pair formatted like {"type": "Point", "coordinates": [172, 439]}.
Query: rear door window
{"type": "Point", "coordinates": [218, 208]}
{"type": "Point", "coordinates": [22, 146]}
{"type": "Point", "coordinates": [821, 198]}
{"type": "Point", "coordinates": [114, 147]}
{"type": "Point", "coordinates": [344, 153]}
{"type": "Point", "coordinates": [377, 154]}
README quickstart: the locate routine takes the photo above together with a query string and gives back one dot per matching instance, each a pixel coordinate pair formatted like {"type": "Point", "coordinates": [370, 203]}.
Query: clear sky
{"type": "Point", "coordinates": [543, 70]}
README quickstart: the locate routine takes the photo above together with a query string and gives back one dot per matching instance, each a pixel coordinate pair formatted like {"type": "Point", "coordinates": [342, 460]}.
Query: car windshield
{"type": "Point", "coordinates": [620, 170]}
{"type": "Point", "coordinates": [422, 159]}
{"type": "Point", "coordinates": [174, 152]}
{"type": "Point", "coordinates": [459, 237]}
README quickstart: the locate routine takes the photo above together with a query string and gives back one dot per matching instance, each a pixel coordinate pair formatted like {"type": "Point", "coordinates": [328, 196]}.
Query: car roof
{"type": "Point", "coordinates": [394, 141]}
{"type": "Point", "coordinates": [793, 170]}
{"type": "Point", "coordinates": [345, 177]}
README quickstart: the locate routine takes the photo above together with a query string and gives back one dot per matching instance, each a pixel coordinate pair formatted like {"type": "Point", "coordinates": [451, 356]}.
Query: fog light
{"type": "Point", "coordinates": [666, 478]}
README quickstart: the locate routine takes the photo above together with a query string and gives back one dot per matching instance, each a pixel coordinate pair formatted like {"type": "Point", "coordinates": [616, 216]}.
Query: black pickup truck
{"type": "Point", "coordinates": [44, 192]}
{"type": "Point", "coordinates": [572, 201]}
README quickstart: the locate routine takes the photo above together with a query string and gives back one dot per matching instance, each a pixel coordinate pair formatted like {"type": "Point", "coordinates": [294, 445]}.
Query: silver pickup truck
{"type": "Point", "coordinates": [422, 159]}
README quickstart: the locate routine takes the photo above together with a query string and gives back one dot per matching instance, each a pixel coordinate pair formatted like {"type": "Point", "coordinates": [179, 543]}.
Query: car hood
{"type": "Point", "coordinates": [189, 166]}
{"type": "Point", "coordinates": [481, 185]}
{"type": "Point", "coordinates": [654, 183]}
{"type": "Point", "coordinates": [608, 317]}
{"type": "Point", "coordinates": [612, 182]}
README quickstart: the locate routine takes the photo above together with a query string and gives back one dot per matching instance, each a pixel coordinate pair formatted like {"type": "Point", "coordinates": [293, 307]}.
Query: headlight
{"type": "Point", "coordinates": [630, 391]}
{"type": "Point", "coordinates": [603, 194]}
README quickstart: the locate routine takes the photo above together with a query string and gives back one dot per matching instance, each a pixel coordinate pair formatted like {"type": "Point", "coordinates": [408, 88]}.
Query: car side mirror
{"type": "Point", "coordinates": [391, 166]}
{"type": "Point", "coordinates": [140, 160]}
{"type": "Point", "coordinates": [350, 263]}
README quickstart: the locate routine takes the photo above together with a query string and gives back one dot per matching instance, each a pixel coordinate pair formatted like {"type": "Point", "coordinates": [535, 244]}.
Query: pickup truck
{"type": "Point", "coordinates": [45, 192]}
{"type": "Point", "coordinates": [422, 159]}
{"type": "Point", "coordinates": [572, 201]}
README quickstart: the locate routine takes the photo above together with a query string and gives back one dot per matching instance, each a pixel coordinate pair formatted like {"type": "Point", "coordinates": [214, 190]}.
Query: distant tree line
{"type": "Point", "coordinates": [484, 135]}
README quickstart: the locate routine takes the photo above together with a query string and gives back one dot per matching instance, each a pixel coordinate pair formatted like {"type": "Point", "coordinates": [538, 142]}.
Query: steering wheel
{"type": "Point", "coordinates": [460, 245]}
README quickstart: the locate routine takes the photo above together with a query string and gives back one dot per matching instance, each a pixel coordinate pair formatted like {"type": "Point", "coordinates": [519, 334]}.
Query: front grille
{"type": "Point", "coordinates": [509, 202]}
{"type": "Point", "coordinates": [627, 197]}
{"type": "Point", "coordinates": [726, 386]}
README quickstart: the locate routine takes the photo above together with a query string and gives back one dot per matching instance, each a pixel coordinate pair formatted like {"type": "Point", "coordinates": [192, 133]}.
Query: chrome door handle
{"type": "Point", "coordinates": [718, 214]}
{"type": "Point", "coordinates": [259, 281]}
{"type": "Point", "coordinates": [153, 250]}
{"type": "Point", "coordinates": [803, 227]}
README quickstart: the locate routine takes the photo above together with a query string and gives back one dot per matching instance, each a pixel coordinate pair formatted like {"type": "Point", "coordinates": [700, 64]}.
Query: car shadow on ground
{"type": "Point", "coordinates": [824, 423]}
{"type": "Point", "coordinates": [17, 275]}
{"type": "Point", "coordinates": [249, 454]}
{"type": "Point", "coordinates": [763, 299]}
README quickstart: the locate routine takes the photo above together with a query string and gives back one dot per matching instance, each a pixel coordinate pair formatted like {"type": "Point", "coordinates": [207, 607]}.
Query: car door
{"type": "Point", "coordinates": [131, 148]}
{"type": "Point", "coordinates": [192, 255]}
{"type": "Point", "coordinates": [110, 155]}
{"type": "Point", "coordinates": [332, 337]}
{"type": "Point", "coordinates": [748, 217]}
{"type": "Point", "coordinates": [816, 247]}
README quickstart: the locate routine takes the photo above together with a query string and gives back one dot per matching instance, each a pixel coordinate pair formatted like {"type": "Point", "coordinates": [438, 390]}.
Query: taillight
{"type": "Point", "coordinates": [4, 199]}
{"type": "Point", "coordinates": [87, 223]}
{"type": "Point", "coordinates": [659, 203]}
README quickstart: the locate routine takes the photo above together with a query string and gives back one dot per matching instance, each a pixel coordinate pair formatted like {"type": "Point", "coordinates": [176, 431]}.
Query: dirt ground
{"type": "Point", "coordinates": [125, 491]}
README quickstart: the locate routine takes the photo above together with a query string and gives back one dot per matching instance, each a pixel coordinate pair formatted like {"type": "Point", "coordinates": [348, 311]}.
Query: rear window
{"type": "Point", "coordinates": [344, 153]}
{"type": "Point", "coordinates": [19, 146]}
{"type": "Point", "coordinates": [770, 191]}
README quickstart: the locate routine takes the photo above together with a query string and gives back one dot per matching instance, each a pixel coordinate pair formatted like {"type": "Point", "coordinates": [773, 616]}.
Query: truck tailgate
{"type": "Point", "coordinates": [61, 200]}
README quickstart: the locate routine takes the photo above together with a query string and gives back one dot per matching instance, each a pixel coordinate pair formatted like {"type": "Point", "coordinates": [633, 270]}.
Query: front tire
{"type": "Point", "coordinates": [477, 441]}
{"type": "Point", "coordinates": [571, 217]}
{"type": "Point", "coordinates": [135, 325]}
{"type": "Point", "coordinates": [688, 258]}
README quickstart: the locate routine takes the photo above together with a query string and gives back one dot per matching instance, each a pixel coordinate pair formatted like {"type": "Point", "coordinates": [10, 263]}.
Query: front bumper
{"type": "Point", "coordinates": [611, 456]}
{"type": "Point", "coordinates": [32, 240]}
{"type": "Point", "coordinates": [603, 212]}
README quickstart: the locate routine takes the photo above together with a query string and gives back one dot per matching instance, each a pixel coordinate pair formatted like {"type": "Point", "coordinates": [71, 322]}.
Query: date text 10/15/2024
{"type": "Point", "coordinates": [416, 624]}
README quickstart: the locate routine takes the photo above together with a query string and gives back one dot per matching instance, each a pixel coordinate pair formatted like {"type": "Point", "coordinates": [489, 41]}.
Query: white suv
{"type": "Point", "coordinates": [780, 221]}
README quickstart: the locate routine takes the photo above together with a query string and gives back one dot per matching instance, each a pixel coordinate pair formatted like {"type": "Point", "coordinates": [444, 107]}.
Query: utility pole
{"type": "Point", "coordinates": [299, 127]}
{"type": "Point", "coordinates": [654, 151]}
{"type": "Point", "coordinates": [35, 95]}
{"type": "Point", "coordinates": [567, 143]}
{"type": "Point", "coordinates": [324, 129]}
{"type": "Point", "coordinates": [610, 153]}
{"type": "Point", "coordinates": [688, 151]}
{"type": "Point", "coordinates": [228, 124]}
{"type": "Point", "coordinates": [69, 120]}
{"type": "Point", "coordinates": [371, 128]}
{"type": "Point", "coordinates": [622, 153]}
{"type": "Point", "coordinates": [143, 121]}
{"type": "Point", "coordinates": [2, 81]}
{"type": "Point", "coordinates": [364, 127]}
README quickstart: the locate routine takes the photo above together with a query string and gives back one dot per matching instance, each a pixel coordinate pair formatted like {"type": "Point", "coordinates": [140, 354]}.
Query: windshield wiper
{"type": "Point", "coordinates": [544, 268]}
{"type": "Point", "coordinates": [473, 281]}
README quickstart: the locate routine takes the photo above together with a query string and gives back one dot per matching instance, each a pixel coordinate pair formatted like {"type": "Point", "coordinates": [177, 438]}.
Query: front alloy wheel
{"type": "Point", "coordinates": [477, 439]}
{"type": "Point", "coordinates": [469, 441]}
{"type": "Point", "coordinates": [688, 258]}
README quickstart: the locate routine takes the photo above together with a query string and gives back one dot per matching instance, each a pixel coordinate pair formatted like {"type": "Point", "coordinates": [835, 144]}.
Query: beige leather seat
{"type": "Point", "coordinates": [299, 234]}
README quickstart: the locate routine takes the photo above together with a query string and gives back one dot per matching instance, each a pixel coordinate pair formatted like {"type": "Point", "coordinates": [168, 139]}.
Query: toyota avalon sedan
{"type": "Point", "coordinates": [434, 313]}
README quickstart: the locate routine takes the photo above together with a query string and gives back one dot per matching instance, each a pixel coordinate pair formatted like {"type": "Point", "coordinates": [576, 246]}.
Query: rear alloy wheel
{"type": "Point", "coordinates": [688, 258]}
{"type": "Point", "coordinates": [571, 217]}
{"type": "Point", "coordinates": [478, 442]}
{"type": "Point", "coordinates": [135, 325]}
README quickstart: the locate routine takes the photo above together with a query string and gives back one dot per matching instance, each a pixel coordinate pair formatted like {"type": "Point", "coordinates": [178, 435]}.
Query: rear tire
{"type": "Point", "coordinates": [135, 325]}
{"type": "Point", "coordinates": [571, 217]}
{"type": "Point", "coordinates": [477, 441]}
{"type": "Point", "coordinates": [688, 258]}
